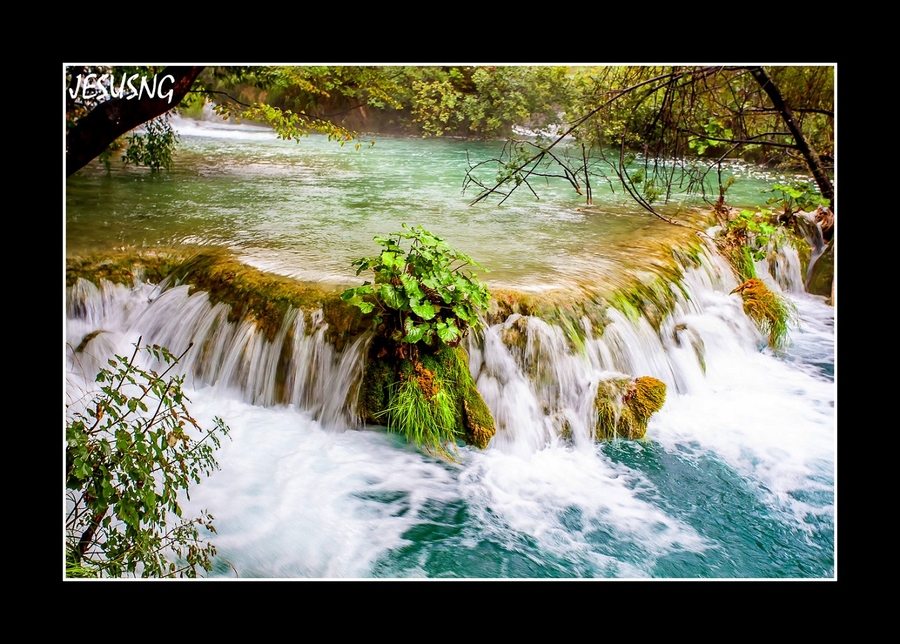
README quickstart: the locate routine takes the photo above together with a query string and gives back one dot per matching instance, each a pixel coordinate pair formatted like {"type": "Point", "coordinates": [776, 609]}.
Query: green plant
{"type": "Point", "coordinates": [422, 409]}
{"type": "Point", "coordinates": [422, 294]}
{"type": "Point", "coordinates": [754, 231]}
{"type": "Point", "coordinates": [794, 197]}
{"type": "Point", "coordinates": [155, 147]}
{"type": "Point", "coordinates": [131, 449]}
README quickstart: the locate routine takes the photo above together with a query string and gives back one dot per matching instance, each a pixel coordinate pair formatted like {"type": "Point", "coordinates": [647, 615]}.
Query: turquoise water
{"type": "Point", "coordinates": [737, 477]}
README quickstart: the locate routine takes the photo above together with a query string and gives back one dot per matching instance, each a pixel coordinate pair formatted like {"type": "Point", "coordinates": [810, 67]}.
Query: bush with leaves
{"type": "Point", "coordinates": [794, 197]}
{"type": "Point", "coordinates": [131, 449]}
{"type": "Point", "coordinates": [416, 379]}
{"type": "Point", "coordinates": [154, 148]}
{"type": "Point", "coordinates": [423, 293]}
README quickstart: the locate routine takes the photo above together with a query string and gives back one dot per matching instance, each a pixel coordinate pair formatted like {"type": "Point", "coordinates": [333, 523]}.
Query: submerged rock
{"type": "Point", "coordinates": [625, 405]}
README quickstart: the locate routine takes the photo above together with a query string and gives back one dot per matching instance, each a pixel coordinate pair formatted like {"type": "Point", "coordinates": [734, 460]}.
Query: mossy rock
{"type": "Point", "coordinates": [425, 393]}
{"type": "Point", "coordinates": [625, 405]}
{"type": "Point", "coordinates": [821, 277]}
{"type": "Point", "coordinates": [771, 312]}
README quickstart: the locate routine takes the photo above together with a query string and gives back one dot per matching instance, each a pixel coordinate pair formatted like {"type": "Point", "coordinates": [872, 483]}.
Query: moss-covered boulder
{"type": "Point", "coordinates": [771, 312]}
{"type": "Point", "coordinates": [625, 405]}
{"type": "Point", "coordinates": [425, 393]}
{"type": "Point", "coordinates": [821, 276]}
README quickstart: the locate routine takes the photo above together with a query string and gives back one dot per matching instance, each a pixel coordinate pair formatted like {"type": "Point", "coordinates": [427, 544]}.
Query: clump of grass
{"type": "Point", "coordinates": [424, 413]}
{"type": "Point", "coordinates": [773, 313]}
{"type": "Point", "coordinates": [428, 397]}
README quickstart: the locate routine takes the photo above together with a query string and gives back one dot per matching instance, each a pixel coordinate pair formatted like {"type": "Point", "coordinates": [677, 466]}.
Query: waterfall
{"type": "Point", "coordinates": [735, 479]}
{"type": "Point", "coordinates": [538, 378]}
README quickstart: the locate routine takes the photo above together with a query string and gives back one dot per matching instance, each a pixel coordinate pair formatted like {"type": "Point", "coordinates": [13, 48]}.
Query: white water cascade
{"type": "Point", "coordinates": [305, 491]}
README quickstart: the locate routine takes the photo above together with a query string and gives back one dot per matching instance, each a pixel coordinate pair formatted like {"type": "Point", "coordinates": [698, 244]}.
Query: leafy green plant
{"type": "Point", "coordinates": [755, 229]}
{"type": "Point", "coordinates": [131, 449]}
{"type": "Point", "coordinates": [794, 197]}
{"type": "Point", "coordinates": [715, 133]}
{"type": "Point", "coordinates": [421, 294]}
{"type": "Point", "coordinates": [154, 148]}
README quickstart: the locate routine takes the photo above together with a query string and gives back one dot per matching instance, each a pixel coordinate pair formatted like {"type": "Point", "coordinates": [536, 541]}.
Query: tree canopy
{"type": "Point", "coordinates": [650, 128]}
{"type": "Point", "coordinates": [653, 129]}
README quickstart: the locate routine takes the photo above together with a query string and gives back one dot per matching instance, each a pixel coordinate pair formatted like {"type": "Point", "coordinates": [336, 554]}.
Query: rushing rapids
{"type": "Point", "coordinates": [536, 362]}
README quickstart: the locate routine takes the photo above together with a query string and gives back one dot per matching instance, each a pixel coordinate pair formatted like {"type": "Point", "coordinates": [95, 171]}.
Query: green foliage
{"type": "Point", "coordinates": [486, 101]}
{"type": "Point", "coordinates": [427, 396]}
{"type": "Point", "coordinates": [750, 236]}
{"type": "Point", "coordinates": [715, 133]}
{"type": "Point", "coordinates": [154, 148]}
{"type": "Point", "coordinates": [288, 125]}
{"type": "Point", "coordinates": [755, 229]}
{"type": "Point", "coordinates": [131, 449]}
{"type": "Point", "coordinates": [795, 197]}
{"type": "Point", "coordinates": [423, 410]}
{"type": "Point", "coordinates": [423, 293]}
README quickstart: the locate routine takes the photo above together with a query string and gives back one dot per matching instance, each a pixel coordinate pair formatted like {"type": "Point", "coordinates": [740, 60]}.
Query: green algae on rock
{"type": "Point", "coordinates": [625, 405]}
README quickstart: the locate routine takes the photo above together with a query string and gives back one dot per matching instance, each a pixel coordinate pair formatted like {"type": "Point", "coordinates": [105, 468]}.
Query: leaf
{"type": "Point", "coordinates": [415, 332]}
{"type": "Point", "coordinates": [390, 296]}
{"type": "Point", "coordinates": [447, 332]}
{"type": "Point", "coordinates": [424, 310]}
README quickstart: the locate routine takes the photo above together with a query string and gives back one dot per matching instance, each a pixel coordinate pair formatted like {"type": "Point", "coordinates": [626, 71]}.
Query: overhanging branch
{"type": "Point", "coordinates": [118, 116]}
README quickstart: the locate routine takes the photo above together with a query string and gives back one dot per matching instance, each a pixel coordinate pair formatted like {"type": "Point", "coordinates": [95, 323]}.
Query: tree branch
{"type": "Point", "coordinates": [118, 116]}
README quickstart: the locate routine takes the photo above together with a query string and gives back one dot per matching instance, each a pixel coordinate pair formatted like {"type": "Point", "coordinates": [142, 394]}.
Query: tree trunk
{"type": "Point", "coordinates": [812, 158]}
{"type": "Point", "coordinates": [118, 116]}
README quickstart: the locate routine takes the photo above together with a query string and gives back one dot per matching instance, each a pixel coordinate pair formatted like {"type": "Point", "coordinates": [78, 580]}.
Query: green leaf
{"type": "Point", "coordinates": [424, 310]}
{"type": "Point", "coordinates": [415, 332]}
{"type": "Point", "coordinates": [390, 296]}
{"type": "Point", "coordinates": [447, 332]}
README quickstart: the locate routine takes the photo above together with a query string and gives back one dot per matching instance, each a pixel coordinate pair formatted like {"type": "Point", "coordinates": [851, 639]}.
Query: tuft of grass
{"type": "Point", "coordinates": [426, 418]}
{"type": "Point", "coordinates": [773, 313]}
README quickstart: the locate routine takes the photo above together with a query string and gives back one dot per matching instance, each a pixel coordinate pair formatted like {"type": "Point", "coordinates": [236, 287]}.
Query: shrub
{"type": "Point", "coordinates": [416, 379]}
{"type": "Point", "coordinates": [422, 294]}
{"type": "Point", "coordinates": [129, 452]}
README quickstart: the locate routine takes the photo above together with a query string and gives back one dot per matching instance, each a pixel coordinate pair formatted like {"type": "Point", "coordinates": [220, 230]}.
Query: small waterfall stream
{"type": "Point", "coordinates": [305, 491]}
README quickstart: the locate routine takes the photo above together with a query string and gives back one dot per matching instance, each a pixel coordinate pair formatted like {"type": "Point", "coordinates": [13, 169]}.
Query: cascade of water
{"type": "Point", "coordinates": [295, 367]}
{"type": "Point", "coordinates": [539, 381]}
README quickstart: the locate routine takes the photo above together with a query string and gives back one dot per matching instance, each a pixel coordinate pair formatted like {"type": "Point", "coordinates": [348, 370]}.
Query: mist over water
{"type": "Point", "coordinates": [736, 477]}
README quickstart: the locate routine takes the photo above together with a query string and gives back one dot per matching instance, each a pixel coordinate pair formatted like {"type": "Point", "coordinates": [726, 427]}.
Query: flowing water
{"type": "Point", "coordinates": [736, 477]}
